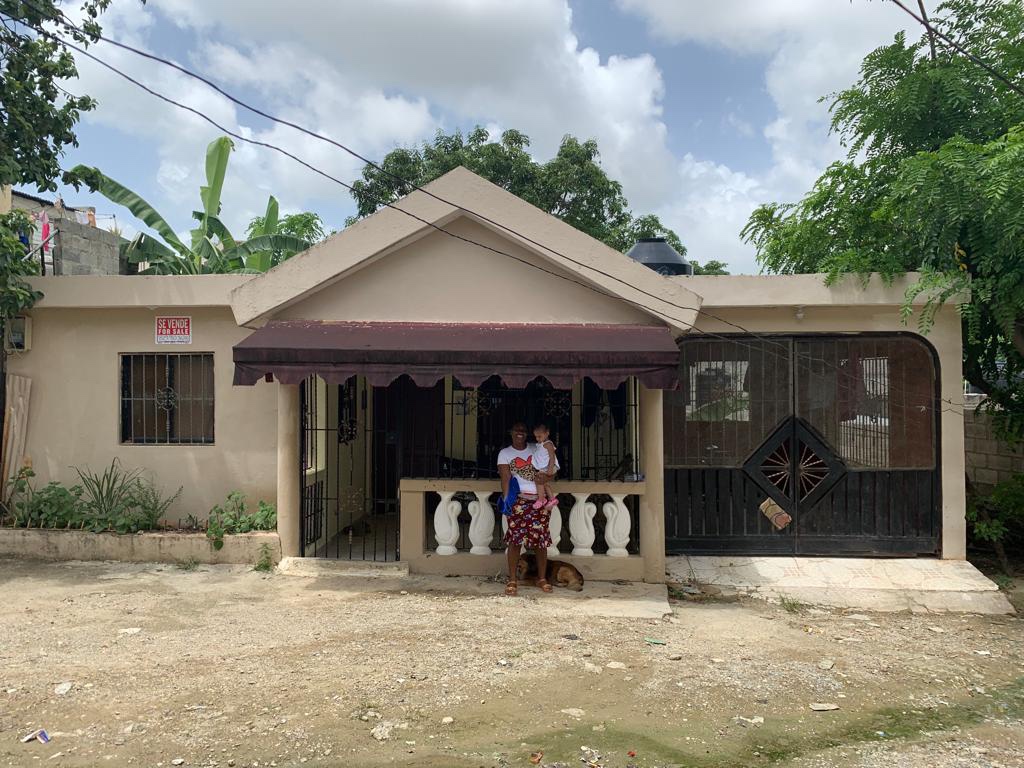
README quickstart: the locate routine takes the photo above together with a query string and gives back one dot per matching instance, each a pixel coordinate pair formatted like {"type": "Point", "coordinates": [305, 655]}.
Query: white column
{"type": "Point", "coordinates": [481, 524]}
{"type": "Point", "coordinates": [652, 503]}
{"type": "Point", "coordinates": [617, 525]}
{"type": "Point", "coordinates": [289, 524]}
{"type": "Point", "coordinates": [446, 523]}
{"type": "Point", "coordinates": [581, 525]}
{"type": "Point", "coordinates": [555, 529]}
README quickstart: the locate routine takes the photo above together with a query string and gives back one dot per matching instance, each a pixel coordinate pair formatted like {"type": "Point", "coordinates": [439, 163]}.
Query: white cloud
{"type": "Point", "coordinates": [376, 75]}
{"type": "Point", "coordinates": [815, 48]}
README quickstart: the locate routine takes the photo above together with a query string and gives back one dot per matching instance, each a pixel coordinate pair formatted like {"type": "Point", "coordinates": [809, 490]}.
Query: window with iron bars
{"type": "Point", "coordinates": [167, 398]}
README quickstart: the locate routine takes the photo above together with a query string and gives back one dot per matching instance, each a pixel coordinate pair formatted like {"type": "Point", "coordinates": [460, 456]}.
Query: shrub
{"type": "Point", "coordinates": [233, 517]}
{"type": "Point", "coordinates": [52, 506]}
{"type": "Point", "coordinates": [115, 499]}
{"type": "Point", "coordinates": [998, 518]}
{"type": "Point", "coordinates": [151, 502]}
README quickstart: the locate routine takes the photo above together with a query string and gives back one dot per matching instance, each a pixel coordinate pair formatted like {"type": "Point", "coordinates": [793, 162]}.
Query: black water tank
{"type": "Point", "coordinates": [656, 253]}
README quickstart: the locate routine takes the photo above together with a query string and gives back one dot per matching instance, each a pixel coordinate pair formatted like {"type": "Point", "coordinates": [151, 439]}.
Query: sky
{"type": "Point", "coordinates": [703, 110]}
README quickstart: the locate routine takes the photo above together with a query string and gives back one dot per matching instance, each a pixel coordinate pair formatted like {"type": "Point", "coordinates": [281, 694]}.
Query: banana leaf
{"type": "Point", "coordinates": [216, 228]}
{"type": "Point", "coordinates": [257, 252]}
{"type": "Point", "coordinates": [116, 192]}
{"type": "Point", "coordinates": [217, 154]}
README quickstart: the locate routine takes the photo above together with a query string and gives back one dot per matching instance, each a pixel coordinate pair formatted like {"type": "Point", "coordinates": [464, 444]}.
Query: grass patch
{"type": "Point", "coordinates": [187, 565]}
{"type": "Point", "coordinates": [265, 561]}
{"type": "Point", "coordinates": [789, 605]}
{"type": "Point", "coordinates": [773, 747]}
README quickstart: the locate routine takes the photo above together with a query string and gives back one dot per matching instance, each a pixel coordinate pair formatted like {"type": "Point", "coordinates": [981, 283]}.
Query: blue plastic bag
{"type": "Point", "coordinates": [505, 503]}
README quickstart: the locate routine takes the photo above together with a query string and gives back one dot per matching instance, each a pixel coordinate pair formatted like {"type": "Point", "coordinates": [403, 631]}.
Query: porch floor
{"type": "Point", "coordinates": [920, 585]}
{"type": "Point", "coordinates": [379, 544]}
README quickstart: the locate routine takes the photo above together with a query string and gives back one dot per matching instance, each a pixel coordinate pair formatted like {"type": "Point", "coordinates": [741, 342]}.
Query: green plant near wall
{"type": "Point", "coordinates": [115, 499]}
{"type": "Point", "coordinates": [234, 517]}
{"type": "Point", "coordinates": [110, 496]}
{"type": "Point", "coordinates": [52, 506]}
{"type": "Point", "coordinates": [998, 518]}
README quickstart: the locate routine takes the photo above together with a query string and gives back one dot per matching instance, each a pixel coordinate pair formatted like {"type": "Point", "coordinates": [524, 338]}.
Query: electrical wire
{"type": "Point", "coordinates": [240, 137]}
{"type": "Point", "coordinates": [951, 43]}
{"type": "Point", "coordinates": [62, 18]}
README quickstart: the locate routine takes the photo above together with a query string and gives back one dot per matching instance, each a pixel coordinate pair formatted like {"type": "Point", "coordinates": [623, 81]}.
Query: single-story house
{"type": "Point", "coordinates": [367, 384]}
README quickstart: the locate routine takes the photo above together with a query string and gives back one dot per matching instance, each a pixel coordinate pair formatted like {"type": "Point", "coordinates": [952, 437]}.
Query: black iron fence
{"type": "Point", "coordinates": [359, 441]}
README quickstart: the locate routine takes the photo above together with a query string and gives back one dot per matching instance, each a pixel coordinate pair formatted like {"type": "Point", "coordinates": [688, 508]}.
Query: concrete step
{"type": "Point", "coordinates": [322, 566]}
{"type": "Point", "coordinates": [919, 585]}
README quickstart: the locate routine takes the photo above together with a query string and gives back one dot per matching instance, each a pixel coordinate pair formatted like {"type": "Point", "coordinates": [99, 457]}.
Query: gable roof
{"type": "Point", "coordinates": [586, 260]}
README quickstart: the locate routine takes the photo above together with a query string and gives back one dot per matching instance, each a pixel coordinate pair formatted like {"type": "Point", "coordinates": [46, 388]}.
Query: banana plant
{"type": "Point", "coordinates": [211, 247]}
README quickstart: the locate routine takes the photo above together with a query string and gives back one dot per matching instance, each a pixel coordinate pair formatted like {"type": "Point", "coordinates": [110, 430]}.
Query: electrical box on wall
{"type": "Point", "coordinates": [18, 334]}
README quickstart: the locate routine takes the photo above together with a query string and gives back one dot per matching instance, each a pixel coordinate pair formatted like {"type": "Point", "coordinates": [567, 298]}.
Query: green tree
{"type": "Point", "coordinates": [572, 185]}
{"type": "Point", "coordinates": [16, 295]}
{"type": "Point", "coordinates": [932, 183]}
{"type": "Point", "coordinates": [37, 123]}
{"type": "Point", "coordinates": [211, 247]}
{"type": "Point", "coordinates": [305, 226]}
{"type": "Point", "coordinates": [39, 115]}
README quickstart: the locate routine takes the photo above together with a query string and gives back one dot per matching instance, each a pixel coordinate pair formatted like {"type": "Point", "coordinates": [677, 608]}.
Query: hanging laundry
{"type": "Point", "coordinates": [44, 222]}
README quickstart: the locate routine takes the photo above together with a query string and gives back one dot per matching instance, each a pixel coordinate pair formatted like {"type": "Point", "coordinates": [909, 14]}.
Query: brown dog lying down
{"type": "Point", "coordinates": [560, 573]}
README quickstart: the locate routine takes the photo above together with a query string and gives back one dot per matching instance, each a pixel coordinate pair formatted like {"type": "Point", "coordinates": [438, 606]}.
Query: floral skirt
{"type": "Point", "coordinates": [528, 526]}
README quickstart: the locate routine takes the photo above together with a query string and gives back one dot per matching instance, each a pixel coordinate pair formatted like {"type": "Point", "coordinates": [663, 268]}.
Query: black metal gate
{"type": "Point", "coordinates": [815, 445]}
{"type": "Point", "coordinates": [358, 441]}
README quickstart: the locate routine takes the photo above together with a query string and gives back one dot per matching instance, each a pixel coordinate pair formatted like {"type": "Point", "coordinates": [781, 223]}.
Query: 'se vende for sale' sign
{"type": "Point", "coordinates": [174, 330]}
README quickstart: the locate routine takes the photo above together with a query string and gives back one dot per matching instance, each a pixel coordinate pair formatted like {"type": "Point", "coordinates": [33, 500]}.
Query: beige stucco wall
{"type": "Point", "coordinates": [75, 399]}
{"type": "Point", "coordinates": [441, 279]}
{"type": "Point", "coordinates": [820, 316]}
{"type": "Point", "coordinates": [444, 204]}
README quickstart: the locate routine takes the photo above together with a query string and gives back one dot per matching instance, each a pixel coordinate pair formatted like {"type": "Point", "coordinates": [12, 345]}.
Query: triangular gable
{"type": "Point", "coordinates": [588, 260]}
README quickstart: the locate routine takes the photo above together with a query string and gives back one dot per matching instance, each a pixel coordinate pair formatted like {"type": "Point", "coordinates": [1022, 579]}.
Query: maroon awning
{"type": "Point", "coordinates": [471, 352]}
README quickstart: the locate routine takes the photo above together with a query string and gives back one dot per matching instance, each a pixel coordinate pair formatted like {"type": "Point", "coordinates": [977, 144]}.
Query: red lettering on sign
{"type": "Point", "coordinates": [174, 330]}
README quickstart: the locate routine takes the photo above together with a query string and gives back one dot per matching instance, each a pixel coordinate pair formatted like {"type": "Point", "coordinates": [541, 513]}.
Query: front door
{"type": "Point", "coordinates": [807, 445]}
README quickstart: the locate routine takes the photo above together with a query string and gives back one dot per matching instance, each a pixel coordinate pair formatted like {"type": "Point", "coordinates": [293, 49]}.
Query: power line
{"type": "Point", "coordinates": [951, 43]}
{"type": "Point", "coordinates": [206, 118]}
{"type": "Point", "coordinates": [62, 18]}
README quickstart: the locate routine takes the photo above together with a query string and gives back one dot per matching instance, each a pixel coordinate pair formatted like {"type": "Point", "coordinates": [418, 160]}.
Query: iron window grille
{"type": "Point", "coordinates": [167, 398]}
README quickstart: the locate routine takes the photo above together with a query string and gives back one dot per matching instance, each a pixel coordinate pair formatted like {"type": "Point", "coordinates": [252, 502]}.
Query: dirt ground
{"type": "Point", "coordinates": [221, 666]}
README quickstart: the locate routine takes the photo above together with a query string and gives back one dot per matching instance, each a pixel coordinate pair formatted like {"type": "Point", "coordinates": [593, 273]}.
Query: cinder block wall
{"type": "Point", "coordinates": [86, 250]}
{"type": "Point", "coordinates": [989, 460]}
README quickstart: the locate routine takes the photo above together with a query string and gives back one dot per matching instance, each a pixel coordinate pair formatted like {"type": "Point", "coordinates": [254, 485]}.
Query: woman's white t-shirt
{"type": "Point", "coordinates": [520, 464]}
{"type": "Point", "coordinates": [525, 464]}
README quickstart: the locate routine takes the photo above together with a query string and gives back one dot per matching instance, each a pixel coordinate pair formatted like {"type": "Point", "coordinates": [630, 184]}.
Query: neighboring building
{"type": "Point", "coordinates": [73, 244]}
{"type": "Point", "coordinates": [367, 384]}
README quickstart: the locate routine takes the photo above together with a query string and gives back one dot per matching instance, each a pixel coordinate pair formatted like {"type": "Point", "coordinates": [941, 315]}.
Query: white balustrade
{"type": "Point", "coordinates": [617, 529]}
{"type": "Point", "coordinates": [581, 525]}
{"type": "Point", "coordinates": [446, 523]}
{"type": "Point", "coordinates": [481, 524]}
{"type": "Point", "coordinates": [555, 529]}
{"type": "Point", "coordinates": [617, 525]}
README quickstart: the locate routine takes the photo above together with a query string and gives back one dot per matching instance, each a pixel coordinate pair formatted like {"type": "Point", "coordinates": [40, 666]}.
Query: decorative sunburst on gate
{"type": "Point", "coordinates": [795, 466]}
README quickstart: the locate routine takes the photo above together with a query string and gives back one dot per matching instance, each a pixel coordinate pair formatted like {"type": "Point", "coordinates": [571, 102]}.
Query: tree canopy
{"type": "Point", "coordinates": [932, 183]}
{"type": "Point", "coordinates": [38, 123]}
{"type": "Point", "coordinates": [39, 115]}
{"type": "Point", "coordinates": [572, 185]}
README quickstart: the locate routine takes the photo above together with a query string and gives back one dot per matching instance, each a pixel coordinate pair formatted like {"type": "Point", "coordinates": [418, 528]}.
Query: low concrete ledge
{"type": "Point", "coordinates": [322, 566]}
{"type": "Point", "coordinates": [149, 547]}
{"type": "Point", "coordinates": [596, 568]}
{"type": "Point", "coordinates": [918, 585]}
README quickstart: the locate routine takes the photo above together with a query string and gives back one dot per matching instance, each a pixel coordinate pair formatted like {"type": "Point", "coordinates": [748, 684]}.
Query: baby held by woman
{"type": "Point", "coordinates": [544, 460]}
